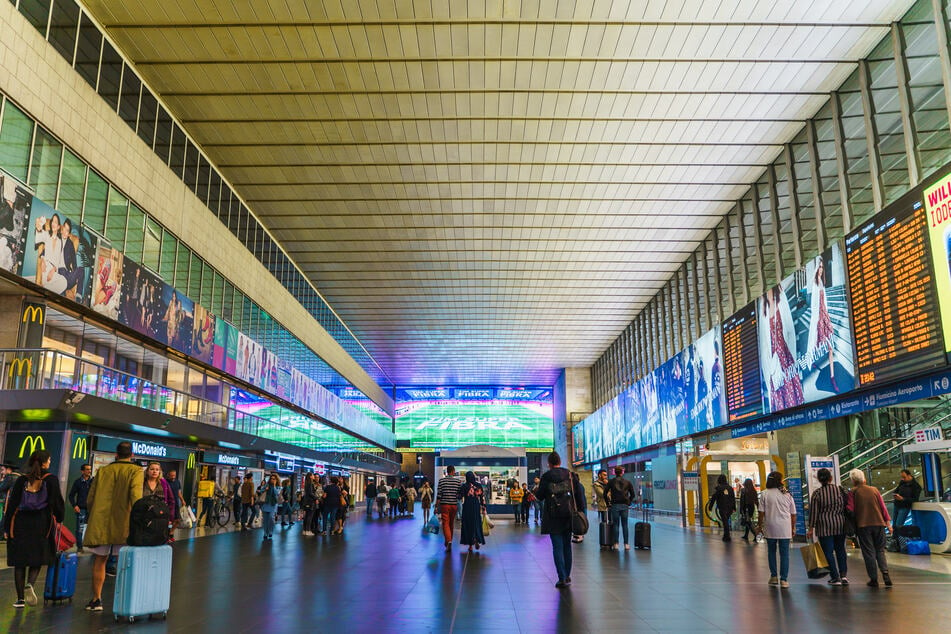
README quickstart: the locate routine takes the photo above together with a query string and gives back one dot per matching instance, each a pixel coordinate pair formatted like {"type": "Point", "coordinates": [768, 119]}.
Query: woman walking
{"type": "Point", "coordinates": [267, 496]}
{"type": "Point", "coordinates": [308, 502]}
{"type": "Point", "coordinates": [724, 501]}
{"type": "Point", "coordinates": [748, 500]}
{"type": "Point", "coordinates": [778, 521]}
{"type": "Point", "coordinates": [473, 508]}
{"type": "Point", "coordinates": [35, 502]}
{"type": "Point", "coordinates": [426, 500]}
{"type": "Point", "coordinates": [411, 500]}
{"type": "Point", "coordinates": [827, 523]}
{"type": "Point", "coordinates": [155, 485]}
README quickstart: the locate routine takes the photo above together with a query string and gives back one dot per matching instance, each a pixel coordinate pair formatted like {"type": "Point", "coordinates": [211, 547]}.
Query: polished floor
{"type": "Point", "coordinates": [388, 576]}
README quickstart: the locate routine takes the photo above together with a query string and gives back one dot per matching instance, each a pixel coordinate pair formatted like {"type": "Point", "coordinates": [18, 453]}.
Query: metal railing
{"type": "Point", "coordinates": [44, 369]}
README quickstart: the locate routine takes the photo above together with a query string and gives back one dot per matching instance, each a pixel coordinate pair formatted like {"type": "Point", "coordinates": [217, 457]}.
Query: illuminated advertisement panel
{"type": "Point", "coordinates": [937, 199]}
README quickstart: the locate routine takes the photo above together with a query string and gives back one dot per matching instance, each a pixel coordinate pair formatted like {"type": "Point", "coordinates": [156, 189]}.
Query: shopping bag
{"type": "Point", "coordinates": [187, 517]}
{"type": "Point", "coordinates": [815, 560]}
{"type": "Point", "coordinates": [432, 526]}
{"type": "Point", "coordinates": [489, 520]}
{"type": "Point", "coordinates": [918, 547]}
{"type": "Point", "coordinates": [486, 526]}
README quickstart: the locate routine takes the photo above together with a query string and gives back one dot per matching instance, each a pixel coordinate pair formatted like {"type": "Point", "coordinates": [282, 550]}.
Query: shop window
{"type": "Point", "coordinates": [135, 233]}
{"type": "Point", "coordinates": [110, 75]}
{"type": "Point", "coordinates": [151, 244]}
{"type": "Point", "coordinates": [97, 199]}
{"type": "Point", "coordinates": [117, 219]}
{"type": "Point", "coordinates": [44, 170]}
{"type": "Point", "coordinates": [176, 375]}
{"type": "Point", "coordinates": [888, 123]}
{"type": "Point", "coordinates": [176, 159]}
{"type": "Point", "coordinates": [72, 186]}
{"type": "Point", "coordinates": [129, 101]}
{"type": "Point", "coordinates": [64, 25]}
{"type": "Point", "coordinates": [37, 13]}
{"type": "Point", "coordinates": [88, 49]}
{"type": "Point", "coordinates": [148, 107]}
{"type": "Point", "coordinates": [167, 263]}
{"type": "Point", "coordinates": [163, 133]}
{"type": "Point", "coordinates": [16, 135]}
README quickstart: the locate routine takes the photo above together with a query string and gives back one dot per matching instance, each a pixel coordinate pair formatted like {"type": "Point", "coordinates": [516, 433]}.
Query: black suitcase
{"type": "Point", "coordinates": [605, 535]}
{"type": "Point", "coordinates": [642, 535]}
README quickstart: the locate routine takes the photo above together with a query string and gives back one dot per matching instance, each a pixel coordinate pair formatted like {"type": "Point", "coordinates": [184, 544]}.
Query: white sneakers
{"type": "Point", "coordinates": [307, 534]}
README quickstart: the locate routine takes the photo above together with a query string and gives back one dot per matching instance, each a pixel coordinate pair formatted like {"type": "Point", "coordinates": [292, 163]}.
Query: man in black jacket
{"type": "Point", "coordinates": [555, 485]}
{"type": "Point", "coordinates": [619, 493]}
{"type": "Point", "coordinates": [77, 499]}
{"type": "Point", "coordinates": [906, 494]}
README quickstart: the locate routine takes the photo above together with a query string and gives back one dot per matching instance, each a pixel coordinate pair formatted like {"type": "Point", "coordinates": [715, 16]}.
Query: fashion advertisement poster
{"type": "Point", "coordinates": [250, 359]}
{"type": "Point", "coordinates": [594, 449]}
{"type": "Point", "coordinates": [671, 396]}
{"type": "Point", "coordinates": [704, 385]}
{"type": "Point", "coordinates": [140, 306]}
{"type": "Point", "coordinates": [107, 282]}
{"type": "Point", "coordinates": [805, 335]}
{"type": "Point", "coordinates": [178, 320]}
{"type": "Point", "coordinates": [15, 204]}
{"type": "Point", "coordinates": [203, 335]}
{"type": "Point", "coordinates": [59, 255]}
{"type": "Point", "coordinates": [938, 214]}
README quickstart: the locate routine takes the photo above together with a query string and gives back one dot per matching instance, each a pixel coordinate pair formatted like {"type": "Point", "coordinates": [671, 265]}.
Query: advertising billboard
{"type": "Point", "coordinates": [60, 255]}
{"type": "Point", "coordinates": [15, 204]}
{"type": "Point", "coordinates": [937, 199]}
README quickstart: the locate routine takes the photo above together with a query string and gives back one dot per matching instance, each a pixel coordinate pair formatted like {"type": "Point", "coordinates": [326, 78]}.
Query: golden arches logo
{"type": "Point", "coordinates": [80, 448]}
{"type": "Point", "coordinates": [32, 441]}
{"type": "Point", "coordinates": [190, 464]}
{"type": "Point", "coordinates": [18, 363]}
{"type": "Point", "coordinates": [35, 313]}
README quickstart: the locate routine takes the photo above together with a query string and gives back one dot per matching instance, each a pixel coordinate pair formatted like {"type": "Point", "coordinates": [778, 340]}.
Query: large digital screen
{"type": "Point", "coordinates": [450, 417]}
{"type": "Point", "coordinates": [805, 335]}
{"type": "Point", "coordinates": [937, 200]}
{"type": "Point", "coordinates": [894, 307]}
{"type": "Point", "coordinates": [741, 365]}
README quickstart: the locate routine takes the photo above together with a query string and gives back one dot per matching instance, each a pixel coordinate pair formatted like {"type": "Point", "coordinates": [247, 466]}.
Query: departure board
{"type": "Point", "coordinates": [894, 307]}
{"type": "Point", "coordinates": [741, 364]}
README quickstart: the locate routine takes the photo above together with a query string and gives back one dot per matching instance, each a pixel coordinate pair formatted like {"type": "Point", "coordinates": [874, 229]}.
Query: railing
{"type": "Point", "coordinates": [42, 369]}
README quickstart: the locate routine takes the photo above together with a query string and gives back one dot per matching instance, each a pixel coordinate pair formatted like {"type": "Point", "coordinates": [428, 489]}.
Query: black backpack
{"type": "Point", "coordinates": [148, 523]}
{"type": "Point", "coordinates": [560, 499]}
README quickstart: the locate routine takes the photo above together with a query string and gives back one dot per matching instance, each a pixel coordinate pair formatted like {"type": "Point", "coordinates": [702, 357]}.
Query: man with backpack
{"type": "Point", "coordinates": [619, 494]}
{"type": "Point", "coordinates": [558, 493]}
{"type": "Point", "coordinates": [114, 490]}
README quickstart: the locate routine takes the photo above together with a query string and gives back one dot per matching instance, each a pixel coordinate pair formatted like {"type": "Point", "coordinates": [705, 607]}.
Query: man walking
{"type": "Point", "coordinates": [247, 501]}
{"type": "Point", "coordinates": [537, 504]}
{"type": "Point", "coordinates": [871, 518]}
{"type": "Point", "coordinates": [369, 493]}
{"type": "Point", "coordinates": [78, 499]}
{"type": "Point", "coordinates": [447, 501]}
{"type": "Point", "coordinates": [114, 490]}
{"type": "Point", "coordinates": [176, 486]}
{"type": "Point", "coordinates": [619, 494]}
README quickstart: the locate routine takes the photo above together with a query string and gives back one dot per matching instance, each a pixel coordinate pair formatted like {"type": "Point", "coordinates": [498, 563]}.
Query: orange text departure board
{"type": "Point", "coordinates": [741, 364]}
{"type": "Point", "coordinates": [894, 304]}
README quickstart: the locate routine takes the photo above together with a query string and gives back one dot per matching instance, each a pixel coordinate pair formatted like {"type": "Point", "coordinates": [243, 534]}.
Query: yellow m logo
{"type": "Point", "coordinates": [190, 464]}
{"type": "Point", "coordinates": [34, 312]}
{"type": "Point", "coordinates": [32, 441]}
{"type": "Point", "coordinates": [20, 363]}
{"type": "Point", "coordinates": [80, 448]}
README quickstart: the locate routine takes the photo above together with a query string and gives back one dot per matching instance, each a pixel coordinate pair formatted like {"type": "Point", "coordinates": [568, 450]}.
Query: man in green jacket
{"type": "Point", "coordinates": [114, 490]}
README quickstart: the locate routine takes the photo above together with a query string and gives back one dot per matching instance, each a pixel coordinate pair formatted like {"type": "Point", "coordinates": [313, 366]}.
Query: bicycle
{"type": "Point", "coordinates": [221, 511]}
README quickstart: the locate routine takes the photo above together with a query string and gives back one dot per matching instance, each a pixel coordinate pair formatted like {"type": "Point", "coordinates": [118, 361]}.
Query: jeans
{"type": "Point", "coordinates": [81, 518]}
{"type": "Point", "coordinates": [236, 509]}
{"type": "Point", "coordinates": [518, 511]}
{"type": "Point", "coordinates": [901, 516]}
{"type": "Point", "coordinates": [447, 517]}
{"type": "Point", "coordinates": [561, 551]}
{"type": "Point", "coordinates": [370, 506]}
{"type": "Point", "coordinates": [872, 543]}
{"type": "Point", "coordinates": [783, 545]}
{"type": "Point", "coordinates": [330, 518]}
{"type": "Point", "coordinates": [833, 547]}
{"type": "Point", "coordinates": [206, 504]}
{"type": "Point", "coordinates": [537, 505]}
{"type": "Point", "coordinates": [618, 515]}
{"type": "Point", "coordinates": [268, 523]}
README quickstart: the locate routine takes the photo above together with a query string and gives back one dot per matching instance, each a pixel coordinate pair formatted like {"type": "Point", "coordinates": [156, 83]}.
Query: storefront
{"type": "Point", "coordinates": [171, 457]}
{"type": "Point", "coordinates": [222, 467]}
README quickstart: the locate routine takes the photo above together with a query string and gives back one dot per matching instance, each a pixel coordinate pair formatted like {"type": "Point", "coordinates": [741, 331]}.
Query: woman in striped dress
{"type": "Point", "coordinates": [827, 522]}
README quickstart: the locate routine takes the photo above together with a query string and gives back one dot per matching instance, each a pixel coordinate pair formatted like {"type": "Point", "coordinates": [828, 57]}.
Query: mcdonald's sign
{"type": "Point", "coordinates": [32, 442]}
{"type": "Point", "coordinates": [35, 312]}
{"type": "Point", "coordinates": [80, 448]}
{"type": "Point", "coordinates": [190, 463]}
{"type": "Point", "coordinates": [18, 364]}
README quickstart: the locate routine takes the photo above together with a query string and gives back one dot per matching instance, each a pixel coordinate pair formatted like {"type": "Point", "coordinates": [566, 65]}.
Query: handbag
{"type": "Point", "coordinates": [850, 527]}
{"type": "Point", "coordinates": [63, 538]}
{"type": "Point", "coordinates": [432, 526]}
{"type": "Point", "coordinates": [815, 560]}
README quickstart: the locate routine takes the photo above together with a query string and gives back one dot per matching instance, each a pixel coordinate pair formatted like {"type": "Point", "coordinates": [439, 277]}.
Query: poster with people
{"type": "Point", "coordinates": [141, 305]}
{"type": "Point", "coordinates": [704, 366]}
{"type": "Point", "coordinates": [806, 347]}
{"type": "Point", "coordinates": [178, 320]}
{"type": "Point", "coordinates": [672, 386]}
{"type": "Point", "coordinates": [249, 360]}
{"type": "Point", "coordinates": [15, 204]}
{"type": "Point", "coordinates": [593, 437]}
{"type": "Point", "coordinates": [107, 282]}
{"type": "Point", "coordinates": [59, 254]}
{"type": "Point", "coordinates": [203, 335]}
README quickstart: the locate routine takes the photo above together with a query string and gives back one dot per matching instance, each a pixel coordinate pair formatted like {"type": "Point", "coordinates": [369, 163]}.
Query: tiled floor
{"type": "Point", "coordinates": [387, 576]}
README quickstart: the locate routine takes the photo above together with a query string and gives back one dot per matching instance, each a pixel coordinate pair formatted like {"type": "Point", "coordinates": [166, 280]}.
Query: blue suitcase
{"type": "Point", "coordinates": [143, 582]}
{"type": "Point", "coordinates": [61, 578]}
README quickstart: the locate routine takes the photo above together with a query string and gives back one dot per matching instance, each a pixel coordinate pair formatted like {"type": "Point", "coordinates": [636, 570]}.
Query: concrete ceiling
{"type": "Point", "coordinates": [487, 191]}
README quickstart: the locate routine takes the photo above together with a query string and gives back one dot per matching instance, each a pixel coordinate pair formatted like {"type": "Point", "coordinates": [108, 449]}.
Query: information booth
{"type": "Point", "coordinates": [934, 517]}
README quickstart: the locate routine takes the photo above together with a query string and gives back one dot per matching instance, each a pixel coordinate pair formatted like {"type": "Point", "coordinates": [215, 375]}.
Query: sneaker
{"type": "Point", "coordinates": [306, 533]}
{"type": "Point", "coordinates": [888, 580]}
{"type": "Point", "coordinates": [614, 547]}
{"type": "Point", "coordinates": [783, 584]}
{"type": "Point", "coordinates": [835, 582]}
{"type": "Point", "coordinates": [845, 581]}
{"type": "Point", "coordinates": [872, 583]}
{"type": "Point", "coordinates": [627, 546]}
{"type": "Point", "coordinates": [561, 584]}
{"type": "Point", "coordinates": [19, 604]}
{"type": "Point", "coordinates": [95, 605]}
{"type": "Point", "coordinates": [30, 595]}
{"type": "Point", "coordinates": [773, 581]}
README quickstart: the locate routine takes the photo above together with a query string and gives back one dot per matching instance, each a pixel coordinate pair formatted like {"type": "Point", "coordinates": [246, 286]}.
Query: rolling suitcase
{"type": "Point", "coordinates": [144, 582]}
{"type": "Point", "coordinates": [61, 578]}
{"type": "Point", "coordinates": [604, 535]}
{"type": "Point", "coordinates": [642, 535]}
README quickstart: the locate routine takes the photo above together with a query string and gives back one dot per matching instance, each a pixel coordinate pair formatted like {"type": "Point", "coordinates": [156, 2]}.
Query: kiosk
{"type": "Point", "coordinates": [934, 518]}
